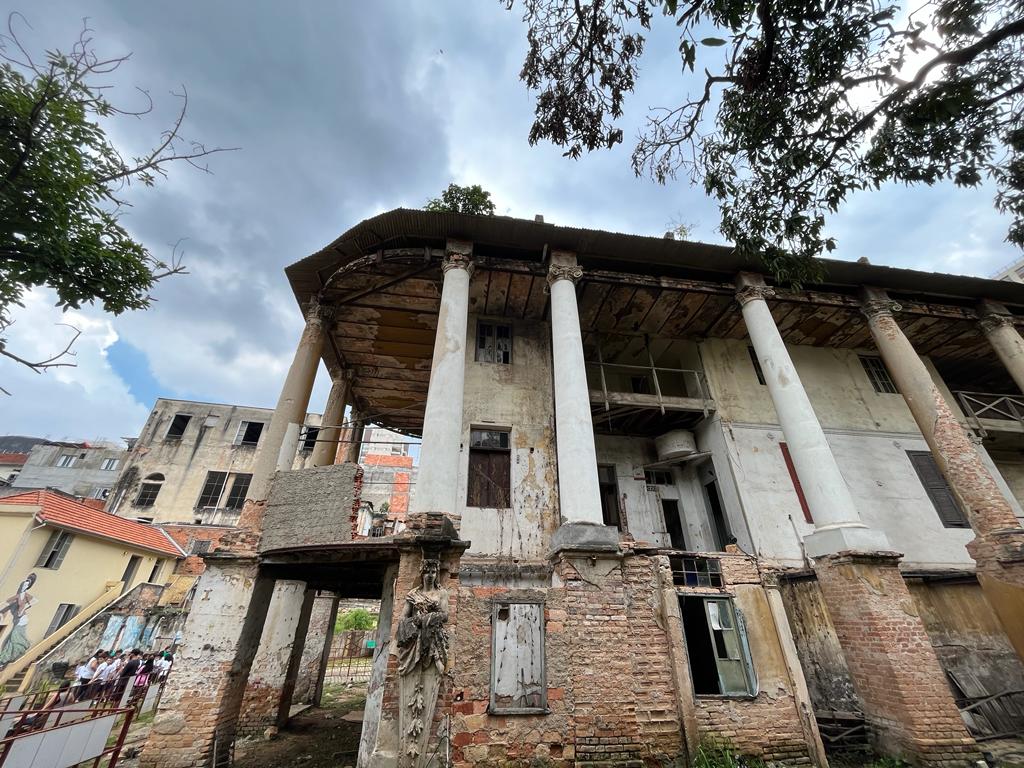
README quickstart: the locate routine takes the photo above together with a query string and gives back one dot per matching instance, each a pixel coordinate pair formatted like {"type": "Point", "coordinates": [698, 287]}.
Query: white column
{"type": "Point", "coordinates": [326, 448]}
{"type": "Point", "coordinates": [837, 524]}
{"type": "Point", "coordinates": [438, 477]}
{"type": "Point", "coordinates": [997, 325]}
{"type": "Point", "coordinates": [578, 490]}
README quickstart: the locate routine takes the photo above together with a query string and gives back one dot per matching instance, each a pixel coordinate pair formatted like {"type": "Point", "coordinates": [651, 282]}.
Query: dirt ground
{"type": "Point", "coordinates": [322, 737]}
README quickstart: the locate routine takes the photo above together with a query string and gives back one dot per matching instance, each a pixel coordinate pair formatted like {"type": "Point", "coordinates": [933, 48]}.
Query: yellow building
{"type": "Point", "coordinates": [62, 562]}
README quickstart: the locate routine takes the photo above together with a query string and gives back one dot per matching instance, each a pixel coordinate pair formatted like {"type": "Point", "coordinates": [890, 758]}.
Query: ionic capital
{"type": "Point", "coordinates": [749, 293]}
{"type": "Point", "coordinates": [992, 322]}
{"type": "Point", "coordinates": [874, 308]}
{"type": "Point", "coordinates": [457, 260]}
{"type": "Point", "coordinates": [564, 272]}
{"type": "Point", "coordinates": [318, 314]}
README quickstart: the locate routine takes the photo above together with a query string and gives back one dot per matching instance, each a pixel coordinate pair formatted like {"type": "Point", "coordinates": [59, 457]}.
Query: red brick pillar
{"type": "Point", "coordinates": [896, 674]}
{"type": "Point", "coordinates": [199, 707]}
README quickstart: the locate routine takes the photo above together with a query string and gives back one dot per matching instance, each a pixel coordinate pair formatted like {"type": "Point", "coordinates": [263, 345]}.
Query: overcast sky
{"type": "Point", "coordinates": [343, 110]}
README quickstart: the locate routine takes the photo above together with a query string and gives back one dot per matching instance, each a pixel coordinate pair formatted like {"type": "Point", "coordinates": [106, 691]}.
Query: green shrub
{"type": "Point", "coordinates": [357, 618]}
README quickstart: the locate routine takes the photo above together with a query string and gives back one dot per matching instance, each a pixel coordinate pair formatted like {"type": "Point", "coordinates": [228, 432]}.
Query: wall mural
{"type": "Point", "coordinates": [15, 642]}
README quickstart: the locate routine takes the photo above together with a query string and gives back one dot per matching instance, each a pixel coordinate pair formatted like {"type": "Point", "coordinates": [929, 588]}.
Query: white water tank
{"type": "Point", "coordinates": [677, 444]}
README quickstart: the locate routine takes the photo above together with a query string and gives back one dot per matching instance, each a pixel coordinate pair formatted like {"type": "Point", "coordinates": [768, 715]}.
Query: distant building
{"type": "Point", "coordinates": [86, 470]}
{"type": "Point", "coordinates": [1013, 273]}
{"type": "Point", "coordinates": [63, 562]}
{"type": "Point", "coordinates": [193, 461]}
{"type": "Point", "coordinates": [14, 451]}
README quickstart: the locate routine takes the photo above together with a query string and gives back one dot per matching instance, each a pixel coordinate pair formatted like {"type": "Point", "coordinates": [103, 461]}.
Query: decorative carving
{"type": "Point", "coordinates": [422, 649]}
{"type": "Point", "coordinates": [749, 293]}
{"type": "Point", "coordinates": [993, 321]}
{"type": "Point", "coordinates": [873, 308]}
{"type": "Point", "coordinates": [456, 260]}
{"type": "Point", "coordinates": [318, 314]}
{"type": "Point", "coordinates": [564, 272]}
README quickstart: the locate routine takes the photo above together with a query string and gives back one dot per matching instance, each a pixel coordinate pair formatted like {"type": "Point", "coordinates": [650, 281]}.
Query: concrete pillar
{"type": "Point", "coordinates": [578, 489]}
{"type": "Point", "coordinates": [325, 654]}
{"type": "Point", "coordinates": [837, 523]}
{"type": "Point", "coordinates": [438, 478]}
{"type": "Point", "coordinates": [293, 402]}
{"type": "Point", "coordinates": [997, 325]}
{"type": "Point", "coordinates": [326, 448]}
{"type": "Point", "coordinates": [998, 549]}
{"type": "Point", "coordinates": [353, 437]}
{"type": "Point", "coordinates": [291, 674]}
{"type": "Point", "coordinates": [896, 674]}
{"type": "Point", "coordinates": [198, 716]}
{"type": "Point", "coordinates": [373, 712]}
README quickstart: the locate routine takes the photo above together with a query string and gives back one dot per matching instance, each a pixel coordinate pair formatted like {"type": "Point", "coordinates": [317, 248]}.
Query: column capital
{"type": "Point", "coordinates": [992, 321]}
{"type": "Point", "coordinates": [879, 307]}
{"type": "Point", "coordinates": [749, 293]}
{"type": "Point", "coordinates": [318, 314]}
{"type": "Point", "coordinates": [564, 272]}
{"type": "Point", "coordinates": [457, 260]}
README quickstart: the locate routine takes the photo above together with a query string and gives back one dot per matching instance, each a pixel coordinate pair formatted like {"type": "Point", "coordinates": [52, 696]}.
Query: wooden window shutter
{"type": "Point", "coordinates": [796, 482]}
{"type": "Point", "coordinates": [938, 489]}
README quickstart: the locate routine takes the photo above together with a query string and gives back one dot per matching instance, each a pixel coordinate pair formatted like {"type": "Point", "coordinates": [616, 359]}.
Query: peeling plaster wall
{"type": "Point", "coordinates": [85, 478]}
{"type": "Point", "coordinates": [517, 396]}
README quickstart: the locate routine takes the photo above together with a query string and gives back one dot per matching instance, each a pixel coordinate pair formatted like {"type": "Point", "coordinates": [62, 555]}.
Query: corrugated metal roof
{"type": "Point", "coordinates": [615, 250]}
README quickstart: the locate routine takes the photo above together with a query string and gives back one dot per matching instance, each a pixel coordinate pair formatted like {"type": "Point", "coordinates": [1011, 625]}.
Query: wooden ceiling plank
{"type": "Point", "coordinates": [590, 302]}
{"type": "Point", "coordinates": [662, 310]}
{"type": "Point", "coordinates": [497, 293]}
{"type": "Point", "coordinates": [689, 305]}
{"type": "Point", "coordinates": [638, 308]}
{"type": "Point", "coordinates": [518, 295]}
{"type": "Point", "coordinates": [614, 307]}
{"type": "Point", "coordinates": [537, 303]}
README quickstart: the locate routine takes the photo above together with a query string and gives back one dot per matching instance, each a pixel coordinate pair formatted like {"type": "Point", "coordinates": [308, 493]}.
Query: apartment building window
{"type": "Point", "coordinates": [99, 493]}
{"type": "Point", "coordinates": [155, 573]}
{"type": "Point", "coordinates": [791, 468]}
{"type": "Point", "coordinates": [608, 487]}
{"type": "Point", "coordinates": [65, 613]}
{"type": "Point", "coordinates": [518, 674]}
{"type": "Point", "coordinates": [490, 469]}
{"type": "Point", "coordinates": [716, 641]}
{"type": "Point", "coordinates": [178, 426]}
{"type": "Point", "coordinates": [55, 550]}
{"type": "Point", "coordinates": [938, 490]}
{"type": "Point", "coordinates": [657, 477]}
{"type": "Point", "coordinates": [210, 495]}
{"type": "Point", "coordinates": [493, 343]}
{"type": "Point", "coordinates": [239, 489]}
{"type": "Point", "coordinates": [67, 460]}
{"type": "Point", "coordinates": [149, 490]}
{"type": "Point", "coordinates": [109, 465]}
{"type": "Point", "coordinates": [758, 371]}
{"type": "Point", "coordinates": [199, 547]}
{"type": "Point", "coordinates": [309, 438]}
{"type": "Point", "coordinates": [878, 374]}
{"type": "Point", "coordinates": [249, 433]}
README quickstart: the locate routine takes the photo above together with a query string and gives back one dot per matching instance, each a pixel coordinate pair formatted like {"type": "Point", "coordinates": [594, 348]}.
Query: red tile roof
{"type": "Point", "coordinates": [63, 511]}
{"type": "Point", "coordinates": [13, 458]}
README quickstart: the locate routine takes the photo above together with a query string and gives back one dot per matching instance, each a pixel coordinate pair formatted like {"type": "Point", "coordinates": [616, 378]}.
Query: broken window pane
{"type": "Point", "coordinates": [717, 646]}
{"type": "Point", "coordinates": [696, 572]}
{"type": "Point", "coordinates": [518, 683]}
{"type": "Point", "coordinates": [493, 343]}
{"type": "Point", "coordinates": [249, 433]}
{"type": "Point", "coordinates": [178, 426]}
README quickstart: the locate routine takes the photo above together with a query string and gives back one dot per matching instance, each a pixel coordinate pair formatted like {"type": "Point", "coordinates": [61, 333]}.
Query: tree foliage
{"type": "Point", "coordinates": [799, 104]}
{"type": "Point", "coordinates": [63, 183]}
{"type": "Point", "coordinates": [457, 199]}
{"type": "Point", "coordinates": [357, 618]}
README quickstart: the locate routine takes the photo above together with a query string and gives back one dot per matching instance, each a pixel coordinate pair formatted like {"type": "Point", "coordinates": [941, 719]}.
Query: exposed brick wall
{"type": "Point", "coordinates": [185, 535]}
{"type": "Point", "coordinates": [766, 726]}
{"type": "Point", "coordinates": [894, 668]}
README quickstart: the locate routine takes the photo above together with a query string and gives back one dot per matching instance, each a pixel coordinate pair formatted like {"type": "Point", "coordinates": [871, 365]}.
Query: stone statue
{"type": "Point", "coordinates": [422, 649]}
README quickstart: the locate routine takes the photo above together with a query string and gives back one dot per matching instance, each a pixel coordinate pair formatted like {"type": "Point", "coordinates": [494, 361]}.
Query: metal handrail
{"type": "Point", "coordinates": [989, 405]}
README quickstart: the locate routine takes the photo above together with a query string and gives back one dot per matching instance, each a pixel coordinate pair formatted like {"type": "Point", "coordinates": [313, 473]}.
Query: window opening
{"type": "Point", "coordinates": [938, 490]}
{"type": "Point", "coordinates": [640, 385]}
{"type": "Point", "coordinates": [878, 374]}
{"type": "Point", "coordinates": [129, 572]}
{"type": "Point", "coordinates": [719, 523]}
{"type": "Point", "coordinates": [493, 343]}
{"type": "Point", "coordinates": [200, 547]}
{"type": "Point", "coordinates": [518, 675]}
{"type": "Point", "coordinates": [239, 489]}
{"type": "Point", "coordinates": [791, 468]}
{"type": "Point", "coordinates": [758, 371]}
{"type": "Point", "coordinates": [149, 490]}
{"type": "Point", "coordinates": [155, 573]}
{"type": "Point", "coordinates": [716, 642]}
{"type": "Point", "coordinates": [697, 572]}
{"type": "Point", "coordinates": [67, 460]}
{"type": "Point", "coordinates": [99, 493]}
{"type": "Point", "coordinates": [65, 612]}
{"type": "Point", "coordinates": [490, 467]}
{"type": "Point", "coordinates": [55, 550]}
{"type": "Point", "coordinates": [609, 488]}
{"type": "Point", "coordinates": [658, 477]}
{"type": "Point", "coordinates": [249, 433]}
{"type": "Point", "coordinates": [673, 523]}
{"type": "Point", "coordinates": [210, 495]}
{"type": "Point", "coordinates": [110, 464]}
{"type": "Point", "coordinates": [309, 438]}
{"type": "Point", "coordinates": [178, 426]}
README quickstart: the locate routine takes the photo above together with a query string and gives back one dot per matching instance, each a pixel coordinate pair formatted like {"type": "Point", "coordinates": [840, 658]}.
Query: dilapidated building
{"type": "Point", "coordinates": [660, 502]}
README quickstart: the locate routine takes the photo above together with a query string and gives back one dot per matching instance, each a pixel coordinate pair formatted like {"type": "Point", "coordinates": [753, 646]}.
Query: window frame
{"type": "Point", "coordinates": [67, 460]}
{"type": "Point", "coordinates": [651, 478]}
{"type": "Point", "coordinates": [146, 487]}
{"type": "Point", "coordinates": [486, 495]}
{"type": "Point", "coordinates": [486, 349]}
{"type": "Point", "coordinates": [65, 612]}
{"type": "Point", "coordinates": [938, 491]}
{"type": "Point", "coordinates": [878, 374]}
{"type": "Point", "coordinates": [206, 491]}
{"type": "Point", "coordinates": [55, 550]}
{"type": "Point", "coordinates": [492, 706]}
{"type": "Point", "coordinates": [243, 427]}
{"type": "Point", "coordinates": [233, 500]}
{"type": "Point", "coordinates": [742, 643]}
{"type": "Point", "coordinates": [184, 427]}
{"type": "Point", "coordinates": [308, 437]}
{"type": "Point", "coordinates": [110, 464]}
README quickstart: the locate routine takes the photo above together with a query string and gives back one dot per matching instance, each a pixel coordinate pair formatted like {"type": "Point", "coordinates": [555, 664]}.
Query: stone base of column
{"type": "Point", "coordinates": [267, 684]}
{"type": "Point", "coordinates": [1000, 567]}
{"type": "Point", "coordinates": [584, 537]}
{"type": "Point", "coordinates": [896, 674]}
{"type": "Point", "coordinates": [195, 725]}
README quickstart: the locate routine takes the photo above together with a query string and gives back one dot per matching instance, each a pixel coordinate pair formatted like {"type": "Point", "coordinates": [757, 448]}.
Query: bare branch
{"type": "Point", "coordinates": [54, 361]}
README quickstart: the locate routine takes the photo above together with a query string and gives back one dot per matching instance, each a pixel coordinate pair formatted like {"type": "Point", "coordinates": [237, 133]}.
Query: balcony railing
{"type": "Point", "coordinates": [991, 407]}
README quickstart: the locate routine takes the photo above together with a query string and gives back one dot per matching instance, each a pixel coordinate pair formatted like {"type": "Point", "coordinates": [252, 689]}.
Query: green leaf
{"type": "Point", "coordinates": [712, 41]}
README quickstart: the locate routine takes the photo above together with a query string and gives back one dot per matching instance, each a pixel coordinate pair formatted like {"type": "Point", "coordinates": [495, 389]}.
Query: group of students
{"type": "Point", "coordinates": [108, 673]}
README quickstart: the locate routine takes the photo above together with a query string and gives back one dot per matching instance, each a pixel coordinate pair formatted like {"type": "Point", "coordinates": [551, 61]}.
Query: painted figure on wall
{"type": "Point", "coordinates": [16, 642]}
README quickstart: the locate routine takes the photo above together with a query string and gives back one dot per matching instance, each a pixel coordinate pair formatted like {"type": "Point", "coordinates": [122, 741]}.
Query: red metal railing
{"type": "Point", "coordinates": [34, 726]}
